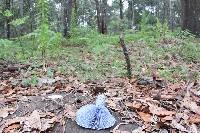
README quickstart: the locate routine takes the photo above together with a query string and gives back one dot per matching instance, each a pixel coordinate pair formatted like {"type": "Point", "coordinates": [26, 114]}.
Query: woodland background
{"type": "Point", "coordinates": [57, 55]}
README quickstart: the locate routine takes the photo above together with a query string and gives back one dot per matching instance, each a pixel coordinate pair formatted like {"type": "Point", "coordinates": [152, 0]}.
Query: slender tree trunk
{"type": "Point", "coordinates": [31, 7]}
{"type": "Point", "coordinates": [98, 15]}
{"type": "Point", "coordinates": [21, 8]}
{"type": "Point", "coordinates": [131, 14]}
{"type": "Point", "coordinates": [101, 15]}
{"type": "Point", "coordinates": [126, 56]}
{"type": "Point", "coordinates": [104, 17]}
{"type": "Point", "coordinates": [171, 15]}
{"type": "Point", "coordinates": [64, 18]}
{"type": "Point", "coordinates": [121, 9]}
{"type": "Point", "coordinates": [8, 7]}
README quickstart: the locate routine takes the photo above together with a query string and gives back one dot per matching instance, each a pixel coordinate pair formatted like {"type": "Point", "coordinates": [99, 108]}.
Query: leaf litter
{"type": "Point", "coordinates": [152, 103]}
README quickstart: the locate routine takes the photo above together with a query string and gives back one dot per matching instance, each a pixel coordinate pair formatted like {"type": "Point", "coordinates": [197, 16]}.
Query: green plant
{"type": "Point", "coordinates": [26, 82]}
{"type": "Point", "coordinates": [50, 72]}
{"type": "Point", "coordinates": [7, 13]}
{"type": "Point", "coordinates": [17, 23]}
{"type": "Point", "coordinates": [46, 38]}
{"type": "Point", "coordinates": [190, 51]}
{"type": "Point", "coordinates": [73, 23]}
{"type": "Point", "coordinates": [5, 46]}
{"type": "Point", "coordinates": [34, 80]}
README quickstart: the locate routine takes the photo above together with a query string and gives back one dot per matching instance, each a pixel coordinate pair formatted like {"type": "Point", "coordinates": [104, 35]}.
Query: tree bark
{"type": "Point", "coordinates": [104, 16]}
{"type": "Point", "coordinates": [32, 20]}
{"type": "Point", "coordinates": [121, 9]}
{"type": "Point", "coordinates": [130, 14]}
{"type": "Point", "coordinates": [21, 8]}
{"type": "Point", "coordinates": [126, 56]}
{"type": "Point", "coordinates": [191, 15]}
{"type": "Point", "coordinates": [8, 7]}
{"type": "Point", "coordinates": [101, 15]}
{"type": "Point", "coordinates": [64, 18]}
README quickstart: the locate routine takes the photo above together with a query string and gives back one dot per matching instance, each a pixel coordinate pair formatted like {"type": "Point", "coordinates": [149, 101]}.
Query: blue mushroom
{"type": "Point", "coordinates": [95, 116]}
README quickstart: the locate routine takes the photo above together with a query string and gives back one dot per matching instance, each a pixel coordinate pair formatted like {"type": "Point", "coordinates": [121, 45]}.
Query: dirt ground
{"type": "Point", "coordinates": [27, 104]}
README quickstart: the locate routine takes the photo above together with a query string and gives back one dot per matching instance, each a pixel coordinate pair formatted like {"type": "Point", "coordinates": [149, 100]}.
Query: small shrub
{"type": "Point", "coordinates": [190, 52]}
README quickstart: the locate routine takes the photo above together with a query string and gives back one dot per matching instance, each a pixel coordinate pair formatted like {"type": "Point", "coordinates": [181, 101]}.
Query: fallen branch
{"type": "Point", "coordinates": [126, 56]}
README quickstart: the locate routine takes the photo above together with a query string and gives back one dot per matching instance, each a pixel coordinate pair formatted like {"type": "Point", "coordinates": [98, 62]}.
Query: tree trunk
{"type": "Point", "coordinates": [64, 18]}
{"type": "Point", "coordinates": [67, 6]}
{"type": "Point", "coordinates": [104, 16]}
{"type": "Point", "coordinates": [31, 7]}
{"type": "Point", "coordinates": [130, 14]}
{"type": "Point", "coordinates": [21, 8]}
{"type": "Point", "coordinates": [98, 15]}
{"type": "Point", "coordinates": [191, 15]}
{"type": "Point", "coordinates": [172, 15]}
{"type": "Point", "coordinates": [101, 16]}
{"type": "Point", "coordinates": [121, 9]}
{"type": "Point", "coordinates": [8, 7]}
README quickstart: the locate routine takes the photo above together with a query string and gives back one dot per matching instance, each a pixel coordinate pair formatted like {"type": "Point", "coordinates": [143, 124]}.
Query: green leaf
{"type": "Point", "coordinates": [19, 21]}
{"type": "Point", "coordinates": [7, 13]}
{"type": "Point", "coordinates": [50, 72]}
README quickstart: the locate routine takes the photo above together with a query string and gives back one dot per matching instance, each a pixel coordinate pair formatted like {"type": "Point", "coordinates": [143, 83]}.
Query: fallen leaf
{"type": "Point", "coordinates": [187, 103]}
{"type": "Point", "coordinates": [145, 116]}
{"type": "Point", "coordinates": [160, 111]}
{"type": "Point", "coordinates": [178, 126]}
{"type": "Point", "coordinates": [5, 112]}
{"type": "Point", "coordinates": [194, 119]}
{"type": "Point", "coordinates": [112, 104]}
{"type": "Point", "coordinates": [167, 118]}
{"type": "Point", "coordinates": [134, 105]}
{"type": "Point", "coordinates": [47, 123]}
{"type": "Point", "coordinates": [12, 128]}
{"type": "Point", "coordinates": [194, 129]}
{"type": "Point", "coordinates": [33, 122]}
{"type": "Point", "coordinates": [70, 112]}
{"type": "Point", "coordinates": [9, 122]}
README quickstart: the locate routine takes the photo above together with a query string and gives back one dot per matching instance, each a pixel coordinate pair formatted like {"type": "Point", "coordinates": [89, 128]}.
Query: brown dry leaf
{"type": "Point", "coordinates": [9, 122]}
{"type": "Point", "coordinates": [5, 112]}
{"type": "Point", "coordinates": [178, 126]}
{"type": "Point", "coordinates": [194, 119]}
{"type": "Point", "coordinates": [175, 86]}
{"type": "Point", "coordinates": [145, 116]}
{"type": "Point", "coordinates": [7, 91]}
{"type": "Point", "coordinates": [33, 121]}
{"type": "Point", "coordinates": [187, 103]}
{"type": "Point", "coordinates": [134, 105]}
{"type": "Point", "coordinates": [12, 128]}
{"type": "Point", "coordinates": [47, 123]}
{"type": "Point", "coordinates": [160, 111]}
{"type": "Point", "coordinates": [68, 88]}
{"type": "Point", "coordinates": [166, 97]}
{"type": "Point", "coordinates": [112, 104]}
{"type": "Point", "coordinates": [194, 129]}
{"type": "Point", "coordinates": [70, 112]}
{"type": "Point", "coordinates": [167, 118]}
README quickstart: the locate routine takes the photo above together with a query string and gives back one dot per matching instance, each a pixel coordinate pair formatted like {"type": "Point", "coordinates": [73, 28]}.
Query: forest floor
{"type": "Point", "coordinates": [163, 95]}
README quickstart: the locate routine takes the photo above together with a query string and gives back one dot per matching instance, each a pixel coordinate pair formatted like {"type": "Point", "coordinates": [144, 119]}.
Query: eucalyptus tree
{"type": "Point", "coordinates": [191, 15]}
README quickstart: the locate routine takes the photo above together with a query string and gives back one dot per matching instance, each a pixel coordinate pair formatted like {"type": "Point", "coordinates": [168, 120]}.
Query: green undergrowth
{"type": "Point", "coordinates": [90, 55]}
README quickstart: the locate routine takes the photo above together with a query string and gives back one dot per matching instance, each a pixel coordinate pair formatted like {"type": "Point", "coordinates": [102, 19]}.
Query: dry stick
{"type": "Point", "coordinates": [126, 56]}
